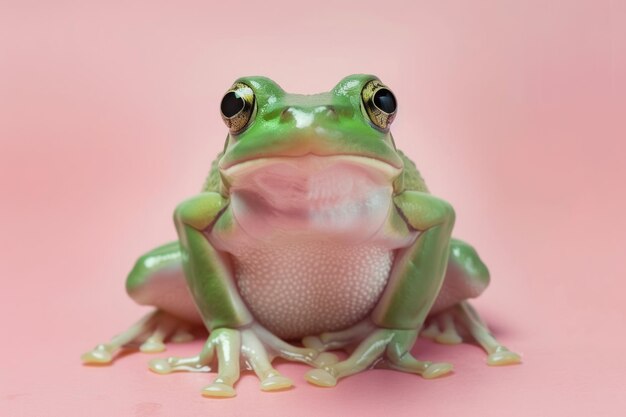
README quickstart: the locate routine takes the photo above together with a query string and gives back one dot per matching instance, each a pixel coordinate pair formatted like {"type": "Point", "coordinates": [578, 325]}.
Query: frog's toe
{"type": "Point", "coordinates": [431, 331]}
{"type": "Point", "coordinates": [313, 342]}
{"type": "Point", "coordinates": [218, 390]}
{"type": "Point", "coordinates": [100, 355]}
{"type": "Point", "coordinates": [323, 358]}
{"type": "Point", "coordinates": [171, 364]}
{"type": "Point", "coordinates": [160, 366]}
{"type": "Point", "coordinates": [428, 370]}
{"type": "Point", "coordinates": [276, 383]}
{"type": "Point", "coordinates": [321, 378]}
{"type": "Point", "coordinates": [435, 370]}
{"type": "Point", "coordinates": [283, 349]}
{"type": "Point", "coordinates": [326, 359]}
{"type": "Point", "coordinates": [152, 346]}
{"type": "Point", "coordinates": [339, 339]}
{"type": "Point", "coordinates": [503, 356]}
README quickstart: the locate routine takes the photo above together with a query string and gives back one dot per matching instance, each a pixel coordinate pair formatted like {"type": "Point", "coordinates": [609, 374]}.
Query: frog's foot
{"type": "Point", "coordinates": [254, 347]}
{"type": "Point", "coordinates": [377, 344]}
{"type": "Point", "coordinates": [151, 332]}
{"type": "Point", "coordinates": [497, 354]}
{"type": "Point", "coordinates": [442, 329]}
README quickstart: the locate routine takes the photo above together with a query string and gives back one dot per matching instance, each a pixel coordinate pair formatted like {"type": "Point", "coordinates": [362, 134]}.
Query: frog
{"type": "Point", "coordinates": [312, 233]}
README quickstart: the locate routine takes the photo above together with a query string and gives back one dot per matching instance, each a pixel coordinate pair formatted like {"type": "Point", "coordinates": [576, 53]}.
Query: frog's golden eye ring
{"type": "Point", "coordinates": [380, 104]}
{"type": "Point", "coordinates": [237, 107]}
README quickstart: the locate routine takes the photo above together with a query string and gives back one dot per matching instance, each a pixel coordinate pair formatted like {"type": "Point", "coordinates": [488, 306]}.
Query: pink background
{"type": "Point", "coordinates": [513, 110]}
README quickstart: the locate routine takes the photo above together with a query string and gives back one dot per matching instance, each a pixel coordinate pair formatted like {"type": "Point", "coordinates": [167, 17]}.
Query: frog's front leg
{"type": "Point", "coordinates": [234, 336]}
{"type": "Point", "coordinates": [414, 283]}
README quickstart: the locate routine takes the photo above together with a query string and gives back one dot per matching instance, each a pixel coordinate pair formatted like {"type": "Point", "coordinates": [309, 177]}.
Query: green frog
{"type": "Point", "coordinates": [312, 233]}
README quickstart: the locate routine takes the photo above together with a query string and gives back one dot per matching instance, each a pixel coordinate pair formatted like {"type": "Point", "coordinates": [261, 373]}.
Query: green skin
{"type": "Point", "coordinates": [416, 277]}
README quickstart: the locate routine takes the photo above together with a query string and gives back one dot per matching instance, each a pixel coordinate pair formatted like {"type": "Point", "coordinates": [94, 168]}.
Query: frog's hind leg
{"type": "Point", "coordinates": [156, 280]}
{"type": "Point", "coordinates": [497, 353]}
{"type": "Point", "coordinates": [443, 329]}
{"type": "Point", "coordinates": [452, 317]}
{"type": "Point", "coordinates": [162, 329]}
{"type": "Point", "coordinates": [150, 333]}
{"type": "Point", "coordinates": [449, 326]}
{"type": "Point", "coordinates": [466, 277]}
{"type": "Point", "coordinates": [105, 352]}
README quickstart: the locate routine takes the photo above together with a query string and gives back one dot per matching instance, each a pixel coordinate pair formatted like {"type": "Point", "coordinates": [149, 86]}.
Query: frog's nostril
{"type": "Point", "coordinates": [286, 115]}
{"type": "Point", "coordinates": [331, 113]}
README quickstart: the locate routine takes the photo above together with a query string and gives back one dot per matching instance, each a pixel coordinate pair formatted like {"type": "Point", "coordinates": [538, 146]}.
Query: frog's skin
{"type": "Point", "coordinates": [311, 226]}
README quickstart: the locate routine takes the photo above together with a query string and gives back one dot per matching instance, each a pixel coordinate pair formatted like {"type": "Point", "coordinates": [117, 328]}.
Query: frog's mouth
{"type": "Point", "coordinates": [311, 193]}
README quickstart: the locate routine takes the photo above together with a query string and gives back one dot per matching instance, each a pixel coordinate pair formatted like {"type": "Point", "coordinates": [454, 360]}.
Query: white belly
{"type": "Point", "coordinates": [307, 288]}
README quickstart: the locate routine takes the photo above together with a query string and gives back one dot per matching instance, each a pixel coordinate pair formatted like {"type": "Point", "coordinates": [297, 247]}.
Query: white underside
{"type": "Point", "coordinates": [309, 250]}
{"type": "Point", "coordinates": [311, 287]}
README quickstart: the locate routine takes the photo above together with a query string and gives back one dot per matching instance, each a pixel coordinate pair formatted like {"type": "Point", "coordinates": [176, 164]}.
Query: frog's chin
{"type": "Point", "coordinates": [334, 195]}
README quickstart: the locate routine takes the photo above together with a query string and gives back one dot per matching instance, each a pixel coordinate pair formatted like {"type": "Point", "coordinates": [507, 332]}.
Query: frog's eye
{"type": "Point", "coordinates": [380, 104]}
{"type": "Point", "coordinates": [237, 107]}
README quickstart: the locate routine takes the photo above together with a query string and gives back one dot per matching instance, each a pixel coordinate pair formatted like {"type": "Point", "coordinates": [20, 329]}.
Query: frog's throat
{"type": "Point", "coordinates": [312, 195]}
{"type": "Point", "coordinates": [239, 173]}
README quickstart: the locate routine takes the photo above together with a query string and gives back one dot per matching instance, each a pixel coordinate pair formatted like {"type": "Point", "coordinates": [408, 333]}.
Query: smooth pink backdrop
{"type": "Point", "coordinates": [513, 110]}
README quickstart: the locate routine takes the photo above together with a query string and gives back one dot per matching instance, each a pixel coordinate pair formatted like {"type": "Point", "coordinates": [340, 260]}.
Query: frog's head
{"type": "Point", "coordinates": [325, 148]}
{"type": "Point", "coordinates": [353, 119]}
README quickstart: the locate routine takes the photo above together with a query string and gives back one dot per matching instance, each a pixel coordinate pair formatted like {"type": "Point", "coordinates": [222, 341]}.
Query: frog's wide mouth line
{"type": "Point", "coordinates": [243, 169]}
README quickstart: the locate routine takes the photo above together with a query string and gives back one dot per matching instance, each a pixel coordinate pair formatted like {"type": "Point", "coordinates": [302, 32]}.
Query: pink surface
{"type": "Point", "coordinates": [514, 112]}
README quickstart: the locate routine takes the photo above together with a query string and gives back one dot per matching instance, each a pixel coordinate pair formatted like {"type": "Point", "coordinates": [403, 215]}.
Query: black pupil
{"type": "Point", "coordinates": [384, 100]}
{"type": "Point", "coordinates": [231, 104]}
